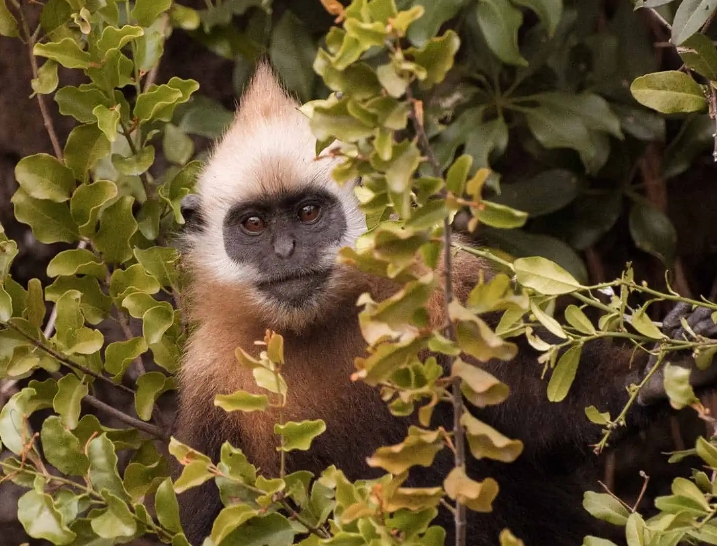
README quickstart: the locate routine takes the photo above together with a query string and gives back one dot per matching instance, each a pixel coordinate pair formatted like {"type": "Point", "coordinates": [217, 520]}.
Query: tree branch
{"type": "Point", "coordinates": [46, 117]}
{"type": "Point", "coordinates": [67, 362]}
{"type": "Point", "coordinates": [149, 428]}
{"type": "Point", "coordinates": [459, 454]}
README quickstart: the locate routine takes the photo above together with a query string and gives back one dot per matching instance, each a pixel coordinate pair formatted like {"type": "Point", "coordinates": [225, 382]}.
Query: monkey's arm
{"type": "Point", "coordinates": [604, 373]}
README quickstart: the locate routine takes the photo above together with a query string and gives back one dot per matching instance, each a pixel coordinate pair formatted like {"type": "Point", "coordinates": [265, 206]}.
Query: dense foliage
{"type": "Point", "coordinates": [426, 113]}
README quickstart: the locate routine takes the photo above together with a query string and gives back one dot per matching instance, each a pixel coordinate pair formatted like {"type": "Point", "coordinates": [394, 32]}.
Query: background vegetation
{"type": "Point", "coordinates": [108, 109]}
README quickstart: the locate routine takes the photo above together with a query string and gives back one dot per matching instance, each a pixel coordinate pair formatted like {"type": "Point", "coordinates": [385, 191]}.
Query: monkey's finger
{"type": "Point", "coordinates": [706, 328]}
{"type": "Point", "coordinates": [672, 320]}
{"type": "Point", "coordinates": [699, 315]}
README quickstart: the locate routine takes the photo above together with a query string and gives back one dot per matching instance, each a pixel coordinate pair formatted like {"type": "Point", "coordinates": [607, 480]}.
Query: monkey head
{"type": "Point", "coordinates": [272, 217]}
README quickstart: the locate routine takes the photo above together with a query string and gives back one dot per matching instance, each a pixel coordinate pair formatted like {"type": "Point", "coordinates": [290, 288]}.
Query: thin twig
{"type": "Point", "coordinates": [459, 454]}
{"type": "Point", "coordinates": [66, 361]}
{"type": "Point", "coordinates": [127, 419]}
{"type": "Point", "coordinates": [660, 18]}
{"type": "Point", "coordinates": [46, 117]}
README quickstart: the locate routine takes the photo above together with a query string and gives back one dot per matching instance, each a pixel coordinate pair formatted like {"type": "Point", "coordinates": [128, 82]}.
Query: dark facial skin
{"type": "Point", "coordinates": [285, 237]}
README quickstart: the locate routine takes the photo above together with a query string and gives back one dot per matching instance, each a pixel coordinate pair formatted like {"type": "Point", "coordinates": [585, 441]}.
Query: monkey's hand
{"type": "Point", "coordinates": [699, 323]}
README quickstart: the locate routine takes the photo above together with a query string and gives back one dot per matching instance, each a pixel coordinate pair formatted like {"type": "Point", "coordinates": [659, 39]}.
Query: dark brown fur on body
{"type": "Point", "coordinates": [541, 494]}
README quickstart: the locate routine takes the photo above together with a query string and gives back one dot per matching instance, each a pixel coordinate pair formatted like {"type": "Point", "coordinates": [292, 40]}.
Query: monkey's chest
{"type": "Point", "coordinates": [357, 423]}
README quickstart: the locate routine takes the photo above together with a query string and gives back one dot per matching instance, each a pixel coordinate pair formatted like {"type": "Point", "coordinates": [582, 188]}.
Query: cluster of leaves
{"type": "Point", "coordinates": [103, 192]}
{"type": "Point", "coordinates": [98, 193]}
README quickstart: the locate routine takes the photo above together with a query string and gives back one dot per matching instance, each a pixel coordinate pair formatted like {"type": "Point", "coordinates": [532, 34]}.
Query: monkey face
{"type": "Point", "coordinates": [291, 239]}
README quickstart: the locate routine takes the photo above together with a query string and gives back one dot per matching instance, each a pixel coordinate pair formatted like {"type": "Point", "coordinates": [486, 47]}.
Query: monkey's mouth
{"type": "Point", "coordinates": [295, 289]}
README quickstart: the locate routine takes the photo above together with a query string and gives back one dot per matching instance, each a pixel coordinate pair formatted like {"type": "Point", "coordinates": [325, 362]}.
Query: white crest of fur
{"type": "Point", "coordinates": [268, 147]}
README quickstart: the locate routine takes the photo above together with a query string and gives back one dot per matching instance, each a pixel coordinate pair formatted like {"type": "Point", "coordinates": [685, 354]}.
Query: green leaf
{"type": "Point", "coordinates": [50, 222]}
{"type": "Point", "coordinates": [149, 387]}
{"type": "Point", "coordinates": [578, 320]}
{"type": "Point", "coordinates": [488, 139]}
{"type": "Point", "coordinates": [117, 226]}
{"type": "Point", "coordinates": [699, 53]}
{"type": "Point", "coordinates": [79, 102]}
{"type": "Point", "coordinates": [134, 279]}
{"type": "Point", "coordinates": [117, 521]}
{"type": "Point", "coordinates": [292, 52]}
{"type": "Point", "coordinates": [486, 442]}
{"type": "Point", "coordinates": [150, 48]}
{"type": "Point", "coordinates": [499, 216]}
{"type": "Point", "coordinates": [78, 261]}
{"type": "Point", "coordinates": [116, 38]}
{"type": "Point", "coordinates": [642, 323]}
{"type": "Point", "coordinates": [161, 262]}
{"type": "Point", "coordinates": [591, 109]}
{"type": "Point", "coordinates": [72, 335]}
{"type": "Point", "coordinates": [107, 120]}
{"type": "Point", "coordinates": [68, 400]}
{"type": "Point", "coordinates": [478, 496]}
{"type": "Point", "coordinates": [120, 354]}
{"type": "Point", "coordinates": [194, 474]}
{"type": "Point", "coordinates": [85, 146]}
{"type": "Point", "coordinates": [178, 147]}
{"type": "Point", "coordinates": [597, 417]}
{"type": "Point", "coordinates": [62, 449]}
{"type": "Point", "coordinates": [8, 23]}
{"type": "Point", "coordinates": [433, 17]}
{"type": "Point", "coordinates": [689, 18]}
{"type": "Point", "coordinates": [134, 164]}
{"type": "Point", "coordinates": [299, 435]}
{"type": "Point", "coordinates": [47, 80]}
{"type": "Point", "coordinates": [167, 508]}
{"type": "Point", "coordinates": [14, 427]}
{"type": "Point", "coordinates": [205, 117]}
{"type": "Point", "coordinates": [669, 92]}
{"type": "Point", "coordinates": [555, 127]}
{"type": "Point", "coordinates": [159, 101]}
{"type": "Point", "coordinates": [653, 232]}
{"type": "Point", "coordinates": [66, 52]}
{"type": "Point", "coordinates": [87, 201]}
{"type": "Point", "coordinates": [436, 57]}
{"type": "Point", "coordinates": [181, 185]}
{"type": "Point", "coordinates": [548, 11]}
{"type": "Point", "coordinates": [707, 451]}
{"type": "Point", "coordinates": [677, 386]}
{"type": "Point", "coordinates": [564, 374]}
{"type": "Point", "coordinates": [156, 321]}
{"type": "Point", "coordinates": [5, 305]}
{"type": "Point", "coordinates": [418, 449]}
{"type": "Point", "coordinates": [605, 507]}
{"type": "Point", "coordinates": [242, 401]}
{"type": "Point", "coordinates": [229, 519]}
{"type": "Point", "coordinates": [41, 519]}
{"type": "Point", "coordinates": [103, 466]}
{"type": "Point", "coordinates": [146, 11]}
{"type": "Point", "coordinates": [95, 304]}
{"type": "Point", "coordinates": [522, 243]}
{"type": "Point", "coordinates": [500, 21]}
{"type": "Point", "coordinates": [544, 276]}
{"type": "Point", "coordinates": [42, 176]}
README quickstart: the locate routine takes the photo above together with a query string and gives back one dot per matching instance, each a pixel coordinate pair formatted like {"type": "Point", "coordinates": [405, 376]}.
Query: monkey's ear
{"type": "Point", "coordinates": [191, 211]}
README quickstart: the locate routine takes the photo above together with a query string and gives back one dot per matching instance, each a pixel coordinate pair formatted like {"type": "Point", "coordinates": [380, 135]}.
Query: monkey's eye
{"type": "Point", "coordinates": [253, 225]}
{"type": "Point", "coordinates": [308, 214]}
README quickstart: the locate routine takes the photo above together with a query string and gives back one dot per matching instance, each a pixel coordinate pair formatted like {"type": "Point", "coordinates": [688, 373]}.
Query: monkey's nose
{"type": "Point", "coordinates": [284, 246]}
